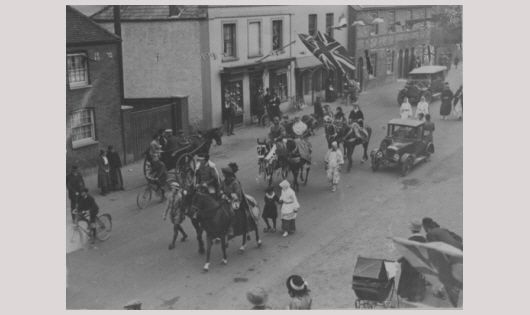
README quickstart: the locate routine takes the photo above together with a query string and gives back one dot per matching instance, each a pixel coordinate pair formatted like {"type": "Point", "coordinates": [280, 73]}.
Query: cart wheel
{"type": "Point", "coordinates": [405, 169]}
{"type": "Point", "coordinates": [147, 167]}
{"type": "Point", "coordinates": [185, 170]}
{"type": "Point", "coordinates": [357, 303]}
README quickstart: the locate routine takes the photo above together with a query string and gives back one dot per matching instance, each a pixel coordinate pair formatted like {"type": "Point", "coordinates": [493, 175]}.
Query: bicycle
{"type": "Point", "coordinates": [82, 224]}
{"type": "Point", "coordinates": [144, 196]}
{"type": "Point", "coordinates": [296, 103]}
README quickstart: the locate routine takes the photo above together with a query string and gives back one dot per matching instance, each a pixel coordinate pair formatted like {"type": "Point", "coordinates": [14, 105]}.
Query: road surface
{"type": "Point", "coordinates": [332, 228]}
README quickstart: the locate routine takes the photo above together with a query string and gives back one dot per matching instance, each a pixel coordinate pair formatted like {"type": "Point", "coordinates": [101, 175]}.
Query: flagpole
{"type": "Point", "coordinates": [272, 52]}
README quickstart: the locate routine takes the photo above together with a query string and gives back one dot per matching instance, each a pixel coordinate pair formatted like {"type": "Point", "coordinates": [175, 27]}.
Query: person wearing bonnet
{"type": "Point", "coordinates": [298, 290]}
{"type": "Point", "coordinates": [259, 298]}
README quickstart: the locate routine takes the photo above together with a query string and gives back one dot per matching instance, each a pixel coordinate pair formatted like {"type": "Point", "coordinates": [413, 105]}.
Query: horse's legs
{"type": "Point", "coordinates": [242, 248]}
{"type": "Point", "coordinates": [295, 180]}
{"type": "Point", "coordinates": [258, 240]}
{"type": "Point", "coordinates": [223, 246]}
{"type": "Point", "coordinates": [199, 236]}
{"type": "Point", "coordinates": [307, 173]}
{"type": "Point", "coordinates": [208, 251]}
{"type": "Point", "coordinates": [349, 153]}
{"type": "Point", "coordinates": [365, 156]}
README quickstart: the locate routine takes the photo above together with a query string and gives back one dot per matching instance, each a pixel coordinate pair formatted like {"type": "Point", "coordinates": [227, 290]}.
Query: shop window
{"type": "Point", "coordinates": [277, 34]}
{"type": "Point", "coordinates": [233, 93]}
{"type": "Point", "coordinates": [389, 62]}
{"type": "Point", "coordinates": [391, 22]}
{"type": "Point", "coordinates": [278, 84]}
{"type": "Point", "coordinates": [373, 62]}
{"type": "Point", "coordinates": [374, 28]}
{"type": "Point", "coordinates": [82, 127]}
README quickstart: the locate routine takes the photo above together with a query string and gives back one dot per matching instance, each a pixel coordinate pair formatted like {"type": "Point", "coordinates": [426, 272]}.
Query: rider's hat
{"type": "Point", "coordinates": [296, 283]}
{"type": "Point", "coordinates": [227, 170]}
{"type": "Point", "coordinates": [175, 185]}
{"type": "Point", "coordinates": [169, 131]}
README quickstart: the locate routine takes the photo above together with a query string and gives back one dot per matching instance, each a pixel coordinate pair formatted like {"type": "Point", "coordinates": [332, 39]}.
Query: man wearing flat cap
{"type": "Point", "coordinates": [206, 175]}
{"type": "Point", "coordinates": [88, 203]}
{"type": "Point", "coordinates": [74, 184]}
{"type": "Point", "coordinates": [181, 139]}
{"type": "Point", "coordinates": [172, 141]}
{"type": "Point", "coordinates": [411, 283]}
{"type": "Point", "coordinates": [231, 190]}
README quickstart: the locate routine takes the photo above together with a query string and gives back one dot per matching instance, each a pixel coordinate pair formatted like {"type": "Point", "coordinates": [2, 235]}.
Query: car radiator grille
{"type": "Point", "coordinates": [390, 153]}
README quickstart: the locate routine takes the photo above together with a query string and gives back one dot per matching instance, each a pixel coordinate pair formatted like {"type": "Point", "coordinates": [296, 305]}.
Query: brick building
{"type": "Point", "coordinates": [92, 90]}
{"type": "Point", "coordinates": [392, 46]}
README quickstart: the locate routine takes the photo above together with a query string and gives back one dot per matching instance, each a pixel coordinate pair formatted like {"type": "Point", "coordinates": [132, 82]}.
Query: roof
{"type": "Point", "coordinates": [82, 30]}
{"type": "Point", "coordinates": [372, 7]}
{"type": "Point", "coordinates": [406, 122]}
{"type": "Point", "coordinates": [308, 62]}
{"type": "Point", "coordinates": [150, 13]}
{"type": "Point", "coordinates": [428, 69]}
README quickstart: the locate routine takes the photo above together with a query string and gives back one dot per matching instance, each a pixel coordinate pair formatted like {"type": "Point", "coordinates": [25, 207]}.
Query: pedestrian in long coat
{"type": "Point", "coordinates": [447, 97]}
{"type": "Point", "coordinates": [74, 183]}
{"type": "Point", "coordinates": [411, 284]}
{"type": "Point", "coordinates": [103, 172]}
{"type": "Point", "coordinates": [290, 207]}
{"type": "Point", "coordinates": [457, 103]}
{"type": "Point", "coordinates": [116, 178]}
{"type": "Point", "coordinates": [270, 210]}
{"type": "Point", "coordinates": [334, 160]}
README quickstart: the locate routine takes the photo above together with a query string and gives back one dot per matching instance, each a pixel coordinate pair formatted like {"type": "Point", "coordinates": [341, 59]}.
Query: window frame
{"type": "Point", "coordinates": [86, 141]}
{"type": "Point", "coordinates": [374, 15]}
{"type": "Point", "coordinates": [390, 58]}
{"type": "Point", "coordinates": [84, 58]}
{"type": "Point", "coordinates": [425, 17]}
{"type": "Point", "coordinates": [411, 17]}
{"type": "Point", "coordinates": [235, 55]}
{"type": "Point", "coordinates": [329, 30]}
{"type": "Point", "coordinates": [373, 62]}
{"type": "Point", "coordinates": [281, 33]}
{"type": "Point", "coordinates": [315, 25]}
{"type": "Point", "coordinates": [260, 41]}
{"type": "Point", "coordinates": [391, 26]}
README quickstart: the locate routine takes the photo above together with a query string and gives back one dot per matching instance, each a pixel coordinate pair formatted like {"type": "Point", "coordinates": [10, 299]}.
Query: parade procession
{"type": "Point", "coordinates": [261, 157]}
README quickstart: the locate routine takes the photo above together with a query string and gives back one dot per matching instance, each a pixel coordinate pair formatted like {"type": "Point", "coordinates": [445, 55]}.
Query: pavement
{"type": "Point", "coordinates": [333, 229]}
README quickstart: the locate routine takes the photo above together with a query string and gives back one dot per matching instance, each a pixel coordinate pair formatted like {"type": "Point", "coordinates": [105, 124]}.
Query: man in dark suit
{"type": "Point", "coordinates": [87, 203]}
{"type": "Point", "coordinates": [446, 268]}
{"type": "Point", "coordinates": [116, 178]}
{"type": "Point", "coordinates": [74, 183]}
{"type": "Point", "coordinates": [411, 283]}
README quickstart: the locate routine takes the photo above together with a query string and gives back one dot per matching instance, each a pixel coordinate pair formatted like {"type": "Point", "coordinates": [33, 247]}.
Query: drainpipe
{"type": "Point", "coordinates": [117, 31]}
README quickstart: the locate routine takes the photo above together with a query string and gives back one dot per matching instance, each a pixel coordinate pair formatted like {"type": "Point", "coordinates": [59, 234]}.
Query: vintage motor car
{"type": "Point", "coordinates": [405, 145]}
{"type": "Point", "coordinates": [427, 81]}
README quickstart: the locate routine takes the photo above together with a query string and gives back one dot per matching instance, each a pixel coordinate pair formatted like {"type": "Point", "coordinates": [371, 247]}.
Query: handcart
{"type": "Point", "coordinates": [373, 283]}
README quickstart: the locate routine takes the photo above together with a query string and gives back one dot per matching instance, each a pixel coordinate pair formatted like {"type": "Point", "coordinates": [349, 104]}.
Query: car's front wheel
{"type": "Point", "coordinates": [407, 166]}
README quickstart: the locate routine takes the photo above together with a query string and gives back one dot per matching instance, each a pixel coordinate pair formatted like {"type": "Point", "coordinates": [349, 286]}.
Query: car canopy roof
{"type": "Point", "coordinates": [428, 69]}
{"type": "Point", "coordinates": [406, 122]}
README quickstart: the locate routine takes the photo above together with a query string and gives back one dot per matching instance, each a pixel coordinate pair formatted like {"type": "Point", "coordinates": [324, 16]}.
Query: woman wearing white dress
{"type": "Point", "coordinates": [406, 109]}
{"type": "Point", "coordinates": [423, 108]}
{"type": "Point", "coordinates": [289, 208]}
{"type": "Point", "coordinates": [334, 160]}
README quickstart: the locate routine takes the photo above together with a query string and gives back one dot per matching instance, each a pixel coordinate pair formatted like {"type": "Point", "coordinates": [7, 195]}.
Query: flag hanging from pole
{"type": "Point", "coordinates": [332, 54]}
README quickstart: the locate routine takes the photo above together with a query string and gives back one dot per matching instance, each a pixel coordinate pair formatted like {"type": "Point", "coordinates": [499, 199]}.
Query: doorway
{"type": "Point", "coordinates": [360, 72]}
{"type": "Point", "coordinates": [406, 64]}
{"type": "Point", "coordinates": [400, 64]}
{"type": "Point", "coordinates": [256, 83]}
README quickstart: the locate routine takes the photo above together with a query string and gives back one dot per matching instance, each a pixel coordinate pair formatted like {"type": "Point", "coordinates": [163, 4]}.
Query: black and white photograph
{"type": "Point", "coordinates": [265, 157]}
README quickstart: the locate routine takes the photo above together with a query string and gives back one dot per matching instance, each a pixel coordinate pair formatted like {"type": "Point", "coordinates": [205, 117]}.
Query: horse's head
{"type": "Point", "coordinates": [215, 134]}
{"type": "Point", "coordinates": [262, 149]}
{"type": "Point", "coordinates": [290, 146]}
{"type": "Point", "coordinates": [187, 196]}
{"type": "Point", "coordinates": [197, 201]}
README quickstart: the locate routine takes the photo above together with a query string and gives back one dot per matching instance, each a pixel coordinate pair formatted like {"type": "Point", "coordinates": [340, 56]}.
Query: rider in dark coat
{"type": "Point", "coordinates": [231, 190]}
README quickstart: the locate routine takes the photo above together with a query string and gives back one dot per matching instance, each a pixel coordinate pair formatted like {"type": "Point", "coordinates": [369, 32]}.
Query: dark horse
{"type": "Point", "coordinates": [201, 143]}
{"type": "Point", "coordinates": [337, 134]}
{"type": "Point", "coordinates": [296, 164]}
{"type": "Point", "coordinates": [214, 219]}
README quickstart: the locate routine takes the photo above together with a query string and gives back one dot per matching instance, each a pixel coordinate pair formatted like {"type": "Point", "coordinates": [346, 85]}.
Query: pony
{"type": "Point", "coordinates": [334, 133]}
{"type": "Point", "coordinates": [295, 164]}
{"type": "Point", "coordinates": [268, 167]}
{"type": "Point", "coordinates": [213, 218]}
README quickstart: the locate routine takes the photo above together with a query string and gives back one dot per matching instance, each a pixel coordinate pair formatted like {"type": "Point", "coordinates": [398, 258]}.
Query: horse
{"type": "Point", "coordinates": [296, 164]}
{"type": "Point", "coordinates": [201, 143]}
{"type": "Point", "coordinates": [187, 198]}
{"type": "Point", "coordinates": [337, 134]}
{"type": "Point", "coordinates": [214, 219]}
{"type": "Point", "coordinates": [268, 167]}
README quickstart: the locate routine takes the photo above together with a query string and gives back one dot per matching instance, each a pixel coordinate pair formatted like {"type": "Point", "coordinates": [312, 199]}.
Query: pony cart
{"type": "Point", "coordinates": [182, 160]}
{"type": "Point", "coordinates": [373, 283]}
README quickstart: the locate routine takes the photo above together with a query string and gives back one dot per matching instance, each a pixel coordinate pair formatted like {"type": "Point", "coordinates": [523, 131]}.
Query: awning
{"type": "Point", "coordinates": [257, 66]}
{"type": "Point", "coordinates": [308, 62]}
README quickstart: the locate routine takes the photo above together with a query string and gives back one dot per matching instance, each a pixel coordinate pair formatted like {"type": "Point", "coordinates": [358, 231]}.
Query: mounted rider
{"type": "Point", "coordinates": [206, 175]}
{"type": "Point", "coordinates": [276, 135]}
{"type": "Point", "coordinates": [231, 191]}
{"type": "Point", "coordinates": [299, 127]}
{"type": "Point", "coordinates": [356, 122]}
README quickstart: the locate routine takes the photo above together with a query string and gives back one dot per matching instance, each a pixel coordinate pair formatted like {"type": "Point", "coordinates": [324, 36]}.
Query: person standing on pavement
{"type": "Point", "coordinates": [74, 184]}
{"type": "Point", "coordinates": [260, 106]}
{"type": "Point", "coordinates": [116, 178]}
{"type": "Point", "coordinates": [270, 210]}
{"type": "Point", "coordinates": [258, 297]}
{"type": "Point", "coordinates": [103, 172]}
{"type": "Point", "coordinates": [411, 283]}
{"type": "Point", "coordinates": [405, 110]}
{"type": "Point", "coordinates": [154, 146]}
{"type": "Point", "coordinates": [87, 203]}
{"type": "Point", "coordinates": [447, 98]}
{"type": "Point", "coordinates": [176, 213]}
{"type": "Point", "coordinates": [298, 290]}
{"type": "Point", "coordinates": [457, 108]}
{"type": "Point", "coordinates": [422, 108]}
{"type": "Point", "coordinates": [275, 106]}
{"type": "Point", "coordinates": [317, 109]}
{"type": "Point", "coordinates": [334, 159]}
{"type": "Point", "coordinates": [230, 115]}
{"type": "Point", "coordinates": [267, 99]}
{"type": "Point", "coordinates": [290, 207]}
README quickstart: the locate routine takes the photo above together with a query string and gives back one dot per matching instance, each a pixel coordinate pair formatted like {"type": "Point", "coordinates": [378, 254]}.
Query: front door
{"type": "Point", "coordinates": [406, 64]}
{"type": "Point", "coordinates": [256, 83]}
{"type": "Point", "coordinates": [400, 64]}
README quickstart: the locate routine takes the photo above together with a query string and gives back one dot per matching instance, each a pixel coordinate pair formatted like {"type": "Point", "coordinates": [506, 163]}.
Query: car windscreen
{"type": "Point", "coordinates": [404, 132]}
{"type": "Point", "coordinates": [420, 76]}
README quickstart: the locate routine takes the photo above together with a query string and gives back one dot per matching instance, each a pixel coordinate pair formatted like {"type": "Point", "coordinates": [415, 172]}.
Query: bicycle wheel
{"type": "Point", "coordinates": [103, 227]}
{"type": "Point", "coordinates": [143, 198]}
{"type": "Point", "coordinates": [78, 231]}
{"type": "Point", "coordinates": [265, 120]}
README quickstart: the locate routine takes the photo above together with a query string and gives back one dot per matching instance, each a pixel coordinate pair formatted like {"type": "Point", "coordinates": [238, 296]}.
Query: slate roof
{"type": "Point", "coordinates": [372, 7]}
{"type": "Point", "coordinates": [80, 29]}
{"type": "Point", "coordinates": [150, 12]}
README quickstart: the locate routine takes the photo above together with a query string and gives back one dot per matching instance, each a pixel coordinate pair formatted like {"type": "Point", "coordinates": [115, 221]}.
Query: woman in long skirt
{"type": "Point", "coordinates": [103, 172]}
{"type": "Point", "coordinates": [447, 97]}
{"type": "Point", "coordinates": [457, 106]}
{"type": "Point", "coordinates": [289, 208]}
{"type": "Point", "coordinates": [334, 160]}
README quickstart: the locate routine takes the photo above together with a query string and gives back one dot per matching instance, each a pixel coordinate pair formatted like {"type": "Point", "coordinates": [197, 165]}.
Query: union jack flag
{"type": "Point", "coordinates": [330, 52]}
{"type": "Point", "coordinates": [429, 53]}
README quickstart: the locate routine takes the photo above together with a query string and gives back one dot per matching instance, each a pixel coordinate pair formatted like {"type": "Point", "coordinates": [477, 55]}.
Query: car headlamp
{"type": "Point", "coordinates": [396, 156]}
{"type": "Point", "coordinates": [379, 154]}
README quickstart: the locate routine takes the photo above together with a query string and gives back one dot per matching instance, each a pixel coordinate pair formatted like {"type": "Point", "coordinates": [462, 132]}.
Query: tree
{"type": "Point", "coordinates": [448, 25]}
